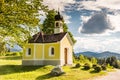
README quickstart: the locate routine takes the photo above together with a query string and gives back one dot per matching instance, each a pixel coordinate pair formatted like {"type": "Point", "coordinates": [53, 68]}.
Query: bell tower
{"type": "Point", "coordinates": [58, 23]}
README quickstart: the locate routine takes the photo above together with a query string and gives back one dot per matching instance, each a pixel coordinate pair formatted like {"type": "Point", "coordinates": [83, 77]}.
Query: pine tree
{"type": "Point", "coordinates": [93, 60]}
{"type": "Point", "coordinates": [48, 24]}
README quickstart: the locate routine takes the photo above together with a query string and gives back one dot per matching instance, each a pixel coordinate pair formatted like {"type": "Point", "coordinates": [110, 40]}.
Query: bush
{"type": "Point", "coordinates": [94, 65]}
{"type": "Point", "coordinates": [13, 54]}
{"type": "Point", "coordinates": [108, 66]}
{"type": "Point", "coordinates": [20, 53]}
{"type": "Point", "coordinates": [97, 69]}
{"type": "Point", "coordinates": [104, 67]}
{"type": "Point", "coordinates": [16, 54]}
{"type": "Point", "coordinates": [77, 65]}
{"type": "Point", "coordinates": [86, 66]}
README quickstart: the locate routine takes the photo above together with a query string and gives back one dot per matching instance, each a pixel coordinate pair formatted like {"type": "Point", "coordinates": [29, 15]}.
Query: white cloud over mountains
{"type": "Point", "coordinates": [97, 44]}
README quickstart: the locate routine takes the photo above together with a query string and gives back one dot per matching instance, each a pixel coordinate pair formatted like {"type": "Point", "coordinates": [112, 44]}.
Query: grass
{"type": "Point", "coordinates": [11, 69]}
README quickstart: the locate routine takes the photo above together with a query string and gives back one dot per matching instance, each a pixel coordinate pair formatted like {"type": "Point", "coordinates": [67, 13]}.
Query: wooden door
{"type": "Point", "coordinates": [65, 52]}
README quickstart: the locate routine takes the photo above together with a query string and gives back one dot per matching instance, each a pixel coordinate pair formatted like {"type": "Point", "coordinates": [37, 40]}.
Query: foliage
{"type": "Point", "coordinates": [77, 65]}
{"type": "Point", "coordinates": [97, 68]}
{"type": "Point", "coordinates": [103, 67]}
{"type": "Point", "coordinates": [18, 20]}
{"type": "Point", "coordinates": [86, 66]}
{"type": "Point", "coordinates": [82, 58]}
{"type": "Point", "coordinates": [74, 57]}
{"type": "Point", "coordinates": [102, 61]}
{"type": "Point", "coordinates": [2, 48]}
{"type": "Point", "coordinates": [108, 66]}
{"type": "Point", "coordinates": [7, 58]}
{"type": "Point", "coordinates": [93, 60]}
{"type": "Point", "coordinates": [13, 54]}
{"type": "Point", "coordinates": [94, 65]}
{"type": "Point", "coordinates": [112, 61]}
{"type": "Point", "coordinates": [105, 63]}
{"type": "Point", "coordinates": [48, 24]}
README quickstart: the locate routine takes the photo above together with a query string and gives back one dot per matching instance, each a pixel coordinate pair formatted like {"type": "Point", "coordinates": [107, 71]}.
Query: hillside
{"type": "Point", "coordinates": [11, 69]}
{"type": "Point", "coordinates": [99, 55]}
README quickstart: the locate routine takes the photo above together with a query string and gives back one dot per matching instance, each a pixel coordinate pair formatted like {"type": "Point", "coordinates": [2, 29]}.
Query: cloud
{"type": "Point", "coordinates": [42, 18]}
{"type": "Point", "coordinates": [115, 22]}
{"type": "Point", "coordinates": [89, 7]}
{"type": "Point", "coordinates": [55, 4]}
{"type": "Point", "coordinates": [85, 18]}
{"type": "Point", "coordinates": [98, 4]}
{"type": "Point", "coordinates": [66, 18]}
{"type": "Point", "coordinates": [97, 24]}
{"type": "Point", "coordinates": [97, 44]}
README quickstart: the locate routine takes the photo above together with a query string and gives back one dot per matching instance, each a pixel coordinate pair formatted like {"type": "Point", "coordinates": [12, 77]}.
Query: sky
{"type": "Point", "coordinates": [95, 24]}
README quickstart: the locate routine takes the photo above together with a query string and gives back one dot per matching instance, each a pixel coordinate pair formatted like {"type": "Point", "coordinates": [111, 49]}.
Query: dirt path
{"type": "Point", "coordinates": [111, 76]}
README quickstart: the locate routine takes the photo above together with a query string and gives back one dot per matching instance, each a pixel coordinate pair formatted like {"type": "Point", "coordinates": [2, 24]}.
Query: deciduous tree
{"type": "Point", "coordinates": [18, 19]}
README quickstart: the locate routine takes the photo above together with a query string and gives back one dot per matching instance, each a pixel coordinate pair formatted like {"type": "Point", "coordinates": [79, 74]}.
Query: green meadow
{"type": "Point", "coordinates": [11, 69]}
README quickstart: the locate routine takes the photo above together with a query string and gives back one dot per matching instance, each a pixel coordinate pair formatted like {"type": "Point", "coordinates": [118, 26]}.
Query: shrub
{"type": "Point", "coordinates": [20, 53]}
{"type": "Point", "coordinates": [16, 54]}
{"type": "Point", "coordinates": [94, 65]}
{"type": "Point", "coordinates": [77, 65]}
{"type": "Point", "coordinates": [97, 69]}
{"type": "Point", "coordinates": [104, 67]}
{"type": "Point", "coordinates": [108, 66]}
{"type": "Point", "coordinates": [12, 54]}
{"type": "Point", "coordinates": [86, 66]}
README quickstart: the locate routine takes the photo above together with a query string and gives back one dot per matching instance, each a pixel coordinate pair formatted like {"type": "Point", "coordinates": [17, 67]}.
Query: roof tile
{"type": "Point", "coordinates": [41, 38]}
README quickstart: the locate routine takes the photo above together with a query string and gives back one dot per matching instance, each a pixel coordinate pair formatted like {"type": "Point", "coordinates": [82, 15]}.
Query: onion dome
{"type": "Point", "coordinates": [58, 17]}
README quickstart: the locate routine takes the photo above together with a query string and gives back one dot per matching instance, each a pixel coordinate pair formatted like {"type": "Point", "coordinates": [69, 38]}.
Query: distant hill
{"type": "Point", "coordinates": [99, 55]}
{"type": "Point", "coordinates": [15, 48]}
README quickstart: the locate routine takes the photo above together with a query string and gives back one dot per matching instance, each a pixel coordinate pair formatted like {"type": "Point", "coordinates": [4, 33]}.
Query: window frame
{"type": "Point", "coordinates": [57, 24]}
{"type": "Point", "coordinates": [28, 52]}
{"type": "Point", "coordinates": [51, 51]}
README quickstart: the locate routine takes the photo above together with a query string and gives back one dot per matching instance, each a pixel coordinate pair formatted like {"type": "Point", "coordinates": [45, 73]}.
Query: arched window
{"type": "Point", "coordinates": [28, 51]}
{"type": "Point", "coordinates": [57, 24]}
{"type": "Point", "coordinates": [52, 51]}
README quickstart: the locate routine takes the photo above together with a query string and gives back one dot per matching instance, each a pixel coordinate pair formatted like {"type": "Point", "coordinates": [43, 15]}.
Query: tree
{"type": "Point", "coordinates": [2, 48]}
{"type": "Point", "coordinates": [113, 62]}
{"type": "Point", "coordinates": [93, 60]}
{"type": "Point", "coordinates": [48, 24]}
{"type": "Point", "coordinates": [101, 61]}
{"type": "Point", "coordinates": [82, 58]}
{"type": "Point", "coordinates": [18, 18]}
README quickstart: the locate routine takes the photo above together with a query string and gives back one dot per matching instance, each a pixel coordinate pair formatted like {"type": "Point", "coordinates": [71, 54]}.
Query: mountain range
{"type": "Point", "coordinates": [99, 55]}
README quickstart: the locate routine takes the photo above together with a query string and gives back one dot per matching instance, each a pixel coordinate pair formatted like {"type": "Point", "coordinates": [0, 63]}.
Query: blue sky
{"type": "Point", "coordinates": [95, 24]}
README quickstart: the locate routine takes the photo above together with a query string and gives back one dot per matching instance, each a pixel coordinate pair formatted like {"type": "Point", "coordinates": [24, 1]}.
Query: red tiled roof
{"type": "Point", "coordinates": [40, 38]}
